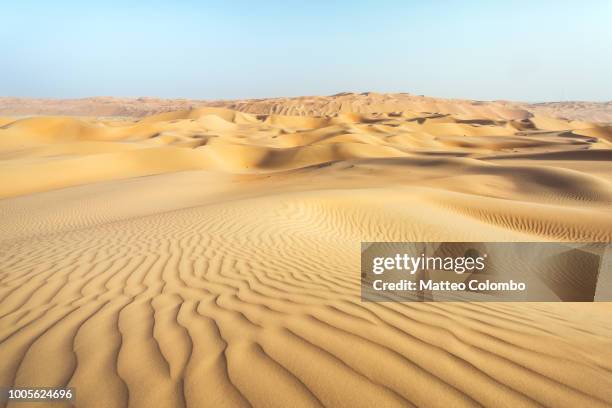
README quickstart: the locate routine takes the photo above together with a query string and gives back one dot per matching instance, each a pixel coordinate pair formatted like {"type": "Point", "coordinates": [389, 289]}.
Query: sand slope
{"type": "Point", "coordinates": [210, 257]}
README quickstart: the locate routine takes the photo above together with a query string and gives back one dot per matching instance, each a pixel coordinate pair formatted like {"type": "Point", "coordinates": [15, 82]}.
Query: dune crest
{"type": "Point", "coordinates": [218, 139]}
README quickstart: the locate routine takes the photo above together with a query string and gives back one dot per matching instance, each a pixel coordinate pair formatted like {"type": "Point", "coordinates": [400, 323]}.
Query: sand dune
{"type": "Point", "coordinates": [210, 257]}
{"type": "Point", "coordinates": [347, 103]}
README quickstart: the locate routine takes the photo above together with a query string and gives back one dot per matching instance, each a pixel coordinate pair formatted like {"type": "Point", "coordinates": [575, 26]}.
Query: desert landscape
{"type": "Point", "coordinates": [177, 253]}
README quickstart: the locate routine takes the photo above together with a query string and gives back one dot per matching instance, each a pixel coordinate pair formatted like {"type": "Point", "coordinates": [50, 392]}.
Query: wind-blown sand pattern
{"type": "Point", "coordinates": [210, 257]}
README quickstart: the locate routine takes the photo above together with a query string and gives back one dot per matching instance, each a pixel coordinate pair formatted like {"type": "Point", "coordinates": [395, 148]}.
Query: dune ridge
{"type": "Point", "coordinates": [210, 257]}
{"type": "Point", "coordinates": [79, 151]}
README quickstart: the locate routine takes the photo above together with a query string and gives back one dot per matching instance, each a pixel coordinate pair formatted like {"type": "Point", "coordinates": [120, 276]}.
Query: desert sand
{"type": "Point", "coordinates": [210, 256]}
{"type": "Point", "coordinates": [350, 102]}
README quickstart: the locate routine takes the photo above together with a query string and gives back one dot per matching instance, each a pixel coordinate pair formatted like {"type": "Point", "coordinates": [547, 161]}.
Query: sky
{"type": "Point", "coordinates": [518, 50]}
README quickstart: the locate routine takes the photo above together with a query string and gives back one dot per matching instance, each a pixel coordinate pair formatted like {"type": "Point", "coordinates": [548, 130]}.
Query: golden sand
{"type": "Point", "coordinates": [210, 257]}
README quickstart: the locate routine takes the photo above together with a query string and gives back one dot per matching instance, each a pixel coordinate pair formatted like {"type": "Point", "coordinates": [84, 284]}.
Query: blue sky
{"type": "Point", "coordinates": [523, 50]}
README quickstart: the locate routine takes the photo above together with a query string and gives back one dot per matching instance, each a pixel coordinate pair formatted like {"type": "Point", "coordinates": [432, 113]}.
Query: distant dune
{"type": "Point", "coordinates": [368, 102]}
{"type": "Point", "coordinates": [210, 256]}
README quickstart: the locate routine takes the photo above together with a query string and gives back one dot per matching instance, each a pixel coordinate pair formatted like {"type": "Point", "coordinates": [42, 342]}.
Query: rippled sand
{"type": "Point", "coordinates": [211, 258]}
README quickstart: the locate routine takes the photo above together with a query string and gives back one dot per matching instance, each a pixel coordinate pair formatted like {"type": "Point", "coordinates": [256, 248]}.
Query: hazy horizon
{"type": "Point", "coordinates": [295, 96]}
{"type": "Point", "coordinates": [549, 51]}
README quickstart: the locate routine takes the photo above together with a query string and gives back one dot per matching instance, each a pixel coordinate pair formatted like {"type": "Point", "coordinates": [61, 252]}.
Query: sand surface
{"type": "Point", "coordinates": [210, 257]}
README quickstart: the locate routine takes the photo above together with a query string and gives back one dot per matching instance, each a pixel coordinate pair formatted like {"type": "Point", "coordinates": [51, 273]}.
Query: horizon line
{"type": "Point", "coordinates": [338, 94]}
